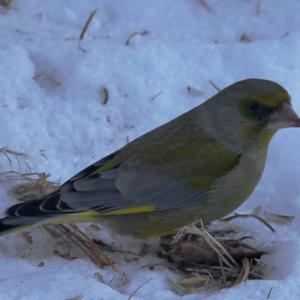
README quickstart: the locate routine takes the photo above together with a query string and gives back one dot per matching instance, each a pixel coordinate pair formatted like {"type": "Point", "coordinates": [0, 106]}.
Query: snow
{"type": "Point", "coordinates": [51, 107]}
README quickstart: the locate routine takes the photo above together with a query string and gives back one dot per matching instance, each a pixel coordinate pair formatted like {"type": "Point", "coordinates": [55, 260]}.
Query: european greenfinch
{"type": "Point", "coordinates": [203, 164]}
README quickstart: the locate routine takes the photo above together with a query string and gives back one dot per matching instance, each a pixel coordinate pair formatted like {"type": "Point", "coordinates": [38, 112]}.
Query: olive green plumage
{"type": "Point", "coordinates": [203, 164]}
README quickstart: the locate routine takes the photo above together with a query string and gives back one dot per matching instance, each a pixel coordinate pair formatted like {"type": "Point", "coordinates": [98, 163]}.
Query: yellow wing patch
{"type": "Point", "coordinates": [130, 211]}
{"type": "Point", "coordinates": [80, 217]}
{"type": "Point", "coordinates": [107, 166]}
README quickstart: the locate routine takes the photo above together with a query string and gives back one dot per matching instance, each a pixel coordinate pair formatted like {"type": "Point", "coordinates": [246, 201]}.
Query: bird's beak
{"type": "Point", "coordinates": [284, 118]}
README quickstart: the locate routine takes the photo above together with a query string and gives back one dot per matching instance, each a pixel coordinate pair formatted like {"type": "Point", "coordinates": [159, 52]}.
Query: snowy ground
{"type": "Point", "coordinates": [51, 106]}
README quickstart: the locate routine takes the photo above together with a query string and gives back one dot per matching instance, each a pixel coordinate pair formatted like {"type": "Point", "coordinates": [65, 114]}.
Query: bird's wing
{"type": "Point", "coordinates": [131, 184]}
{"type": "Point", "coordinates": [128, 186]}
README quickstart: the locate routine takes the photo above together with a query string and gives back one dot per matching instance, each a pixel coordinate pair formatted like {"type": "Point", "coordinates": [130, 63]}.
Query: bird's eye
{"type": "Point", "coordinates": [254, 107]}
{"type": "Point", "coordinates": [259, 110]}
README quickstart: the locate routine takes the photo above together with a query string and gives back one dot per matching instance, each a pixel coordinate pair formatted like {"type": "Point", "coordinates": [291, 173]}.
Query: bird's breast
{"type": "Point", "coordinates": [232, 189]}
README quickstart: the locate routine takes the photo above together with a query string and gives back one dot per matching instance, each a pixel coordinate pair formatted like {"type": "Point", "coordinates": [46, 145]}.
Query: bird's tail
{"type": "Point", "coordinates": [11, 224]}
{"type": "Point", "coordinates": [23, 215]}
{"type": "Point", "coordinates": [32, 213]}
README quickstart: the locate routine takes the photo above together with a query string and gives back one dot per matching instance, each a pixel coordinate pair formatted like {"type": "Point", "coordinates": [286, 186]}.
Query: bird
{"type": "Point", "coordinates": [203, 164]}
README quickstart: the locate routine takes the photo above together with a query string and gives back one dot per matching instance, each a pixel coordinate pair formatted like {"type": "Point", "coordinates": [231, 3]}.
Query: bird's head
{"type": "Point", "coordinates": [249, 112]}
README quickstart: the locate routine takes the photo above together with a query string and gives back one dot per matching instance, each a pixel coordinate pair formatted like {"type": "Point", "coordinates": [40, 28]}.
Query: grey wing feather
{"type": "Point", "coordinates": [94, 184]}
{"type": "Point", "coordinates": [145, 185]}
{"type": "Point", "coordinates": [126, 186]}
{"type": "Point", "coordinates": [129, 185]}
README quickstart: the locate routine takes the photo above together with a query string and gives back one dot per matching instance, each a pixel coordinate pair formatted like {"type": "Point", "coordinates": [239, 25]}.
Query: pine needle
{"type": "Point", "coordinates": [214, 85]}
{"type": "Point", "coordinates": [85, 28]}
{"type": "Point", "coordinates": [138, 288]}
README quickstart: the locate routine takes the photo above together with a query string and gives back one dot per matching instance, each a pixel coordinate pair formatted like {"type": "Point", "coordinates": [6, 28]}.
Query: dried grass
{"type": "Point", "coordinates": [37, 185]}
{"type": "Point", "coordinates": [243, 215]}
{"type": "Point", "coordinates": [10, 154]}
{"type": "Point", "coordinates": [34, 185]}
{"type": "Point", "coordinates": [208, 261]}
{"type": "Point", "coordinates": [71, 233]}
